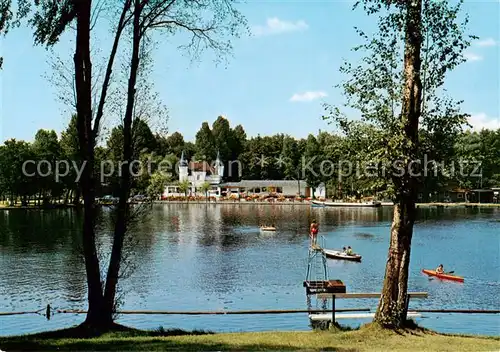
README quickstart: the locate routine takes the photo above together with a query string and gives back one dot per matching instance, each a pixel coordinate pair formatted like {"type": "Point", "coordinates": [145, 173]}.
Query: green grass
{"type": "Point", "coordinates": [367, 338]}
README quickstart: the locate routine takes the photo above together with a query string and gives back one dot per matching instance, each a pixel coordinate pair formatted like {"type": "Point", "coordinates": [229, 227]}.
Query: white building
{"type": "Point", "coordinates": [197, 173]}
{"type": "Point", "coordinates": [320, 191]}
{"type": "Point", "coordinates": [287, 188]}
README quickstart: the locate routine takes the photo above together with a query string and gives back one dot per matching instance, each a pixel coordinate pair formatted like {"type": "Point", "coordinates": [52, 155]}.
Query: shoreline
{"type": "Point", "coordinates": [306, 203]}
{"type": "Point", "coordinates": [238, 203]}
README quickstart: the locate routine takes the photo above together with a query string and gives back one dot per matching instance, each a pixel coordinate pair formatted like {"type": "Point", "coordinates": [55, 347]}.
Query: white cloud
{"type": "Point", "coordinates": [472, 57]}
{"type": "Point", "coordinates": [487, 42]}
{"type": "Point", "coordinates": [308, 96]}
{"type": "Point", "coordinates": [276, 26]}
{"type": "Point", "coordinates": [481, 120]}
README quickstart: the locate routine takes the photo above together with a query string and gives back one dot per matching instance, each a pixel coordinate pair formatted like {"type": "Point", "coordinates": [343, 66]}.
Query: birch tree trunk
{"type": "Point", "coordinates": [392, 309]}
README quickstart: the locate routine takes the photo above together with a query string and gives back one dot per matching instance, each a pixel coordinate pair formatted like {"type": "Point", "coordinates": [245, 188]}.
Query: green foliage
{"type": "Point", "coordinates": [205, 187]}
{"type": "Point", "coordinates": [13, 182]}
{"type": "Point", "coordinates": [271, 157]}
{"type": "Point", "coordinates": [173, 144]}
{"type": "Point", "coordinates": [184, 186]}
{"type": "Point", "coordinates": [374, 86]}
{"type": "Point", "coordinates": [205, 143]}
{"type": "Point", "coordinates": [222, 139]}
{"type": "Point", "coordinates": [157, 184]}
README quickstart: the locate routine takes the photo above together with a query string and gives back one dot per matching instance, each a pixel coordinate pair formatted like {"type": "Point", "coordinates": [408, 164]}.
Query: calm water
{"type": "Point", "coordinates": [214, 257]}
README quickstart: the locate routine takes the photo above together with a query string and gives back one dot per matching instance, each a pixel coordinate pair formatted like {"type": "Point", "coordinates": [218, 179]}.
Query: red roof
{"type": "Point", "coordinates": [201, 166]}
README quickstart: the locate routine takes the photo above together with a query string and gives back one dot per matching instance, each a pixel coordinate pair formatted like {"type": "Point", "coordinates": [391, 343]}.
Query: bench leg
{"type": "Point", "coordinates": [333, 310]}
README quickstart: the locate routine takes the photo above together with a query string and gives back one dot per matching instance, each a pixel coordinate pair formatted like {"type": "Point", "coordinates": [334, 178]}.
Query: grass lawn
{"type": "Point", "coordinates": [368, 338]}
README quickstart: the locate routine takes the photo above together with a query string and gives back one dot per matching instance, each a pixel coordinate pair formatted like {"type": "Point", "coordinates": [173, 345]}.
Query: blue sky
{"type": "Point", "coordinates": [275, 83]}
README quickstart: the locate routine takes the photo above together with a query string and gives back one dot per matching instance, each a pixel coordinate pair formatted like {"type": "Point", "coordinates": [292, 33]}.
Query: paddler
{"type": "Point", "coordinates": [349, 250]}
{"type": "Point", "coordinates": [440, 269]}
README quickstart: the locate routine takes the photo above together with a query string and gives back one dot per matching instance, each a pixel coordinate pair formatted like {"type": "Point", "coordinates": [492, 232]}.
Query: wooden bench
{"type": "Point", "coordinates": [334, 296]}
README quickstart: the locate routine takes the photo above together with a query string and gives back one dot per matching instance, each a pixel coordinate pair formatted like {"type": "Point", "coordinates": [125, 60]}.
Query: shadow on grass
{"type": "Point", "coordinates": [155, 344]}
{"type": "Point", "coordinates": [116, 330]}
{"type": "Point", "coordinates": [123, 338]}
{"type": "Point", "coordinates": [332, 327]}
{"type": "Point", "coordinates": [82, 335]}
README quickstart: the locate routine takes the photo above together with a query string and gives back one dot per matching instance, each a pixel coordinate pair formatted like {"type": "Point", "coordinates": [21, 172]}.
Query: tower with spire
{"type": "Point", "coordinates": [183, 168]}
{"type": "Point", "coordinates": [219, 166]}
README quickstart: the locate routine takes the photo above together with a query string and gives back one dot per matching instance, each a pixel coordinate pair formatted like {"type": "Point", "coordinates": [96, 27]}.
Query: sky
{"type": "Point", "coordinates": [275, 82]}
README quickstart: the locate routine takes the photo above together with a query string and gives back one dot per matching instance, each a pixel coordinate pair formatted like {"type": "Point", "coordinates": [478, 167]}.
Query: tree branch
{"type": "Point", "coordinates": [121, 25]}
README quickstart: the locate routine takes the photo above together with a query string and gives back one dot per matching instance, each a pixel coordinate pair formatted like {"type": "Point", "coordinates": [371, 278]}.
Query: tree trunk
{"type": "Point", "coordinates": [66, 196]}
{"type": "Point", "coordinates": [83, 81]}
{"type": "Point", "coordinates": [392, 309]}
{"type": "Point", "coordinates": [124, 191]}
{"type": "Point", "coordinates": [76, 195]}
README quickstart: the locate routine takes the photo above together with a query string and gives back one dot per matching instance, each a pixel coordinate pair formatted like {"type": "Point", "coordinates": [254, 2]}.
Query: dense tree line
{"type": "Point", "coordinates": [339, 161]}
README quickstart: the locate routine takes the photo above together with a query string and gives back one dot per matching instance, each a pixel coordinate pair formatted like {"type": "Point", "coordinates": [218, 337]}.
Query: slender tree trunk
{"type": "Point", "coordinates": [76, 195]}
{"type": "Point", "coordinates": [124, 191]}
{"type": "Point", "coordinates": [392, 309]}
{"type": "Point", "coordinates": [83, 81]}
{"type": "Point", "coordinates": [66, 197]}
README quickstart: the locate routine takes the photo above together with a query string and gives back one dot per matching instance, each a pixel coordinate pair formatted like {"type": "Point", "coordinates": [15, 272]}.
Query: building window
{"type": "Point", "coordinates": [198, 177]}
{"type": "Point", "coordinates": [257, 190]}
{"type": "Point", "coordinates": [460, 195]}
{"type": "Point", "coordinates": [279, 189]}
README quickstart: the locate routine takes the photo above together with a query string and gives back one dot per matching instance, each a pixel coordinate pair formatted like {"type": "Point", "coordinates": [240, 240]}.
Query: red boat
{"type": "Point", "coordinates": [443, 276]}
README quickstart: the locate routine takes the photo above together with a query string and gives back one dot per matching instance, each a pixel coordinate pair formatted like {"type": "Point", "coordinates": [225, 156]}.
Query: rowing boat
{"type": "Point", "coordinates": [443, 276]}
{"type": "Point", "coordinates": [330, 253]}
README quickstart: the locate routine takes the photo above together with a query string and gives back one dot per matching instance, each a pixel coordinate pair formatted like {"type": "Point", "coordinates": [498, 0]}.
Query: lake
{"type": "Point", "coordinates": [214, 257]}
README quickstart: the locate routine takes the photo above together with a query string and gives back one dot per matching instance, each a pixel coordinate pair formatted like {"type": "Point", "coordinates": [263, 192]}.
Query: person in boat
{"type": "Point", "coordinates": [344, 250]}
{"type": "Point", "coordinates": [349, 251]}
{"type": "Point", "coordinates": [440, 269]}
{"type": "Point", "coordinates": [313, 232]}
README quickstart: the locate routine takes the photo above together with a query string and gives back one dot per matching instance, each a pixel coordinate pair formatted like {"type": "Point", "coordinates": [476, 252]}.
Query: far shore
{"type": "Point", "coordinates": [242, 202]}
{"type": "Point", "coordinates": [307, 203]}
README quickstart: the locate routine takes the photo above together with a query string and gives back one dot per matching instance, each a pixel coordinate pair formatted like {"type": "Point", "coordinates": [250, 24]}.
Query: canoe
{"type": "Point", "coordinates": [344, 204]}
{"type": "Point", "coordinates": [330, 253]}
{"type": "Point", "coordinates": [268, 228]}
{"type": "Point", "coordinates": [443, 276]}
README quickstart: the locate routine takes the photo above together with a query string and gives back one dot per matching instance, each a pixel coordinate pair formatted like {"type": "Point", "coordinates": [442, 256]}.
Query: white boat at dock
{"type": "Point", "coordinates": [371, 204]}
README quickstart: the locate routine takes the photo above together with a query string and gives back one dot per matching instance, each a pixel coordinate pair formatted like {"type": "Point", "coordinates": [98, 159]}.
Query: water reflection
{"type": "Point", "coordinates": [214, 256]}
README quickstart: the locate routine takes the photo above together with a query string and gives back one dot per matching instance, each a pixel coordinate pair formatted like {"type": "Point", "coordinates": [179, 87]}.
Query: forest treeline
{"type": "Point", "coordinates": [464, 159]}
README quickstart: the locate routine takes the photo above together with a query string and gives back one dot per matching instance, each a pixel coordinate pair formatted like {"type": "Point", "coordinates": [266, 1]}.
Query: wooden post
{"type": "Point", "coordinates": [333, 310]}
